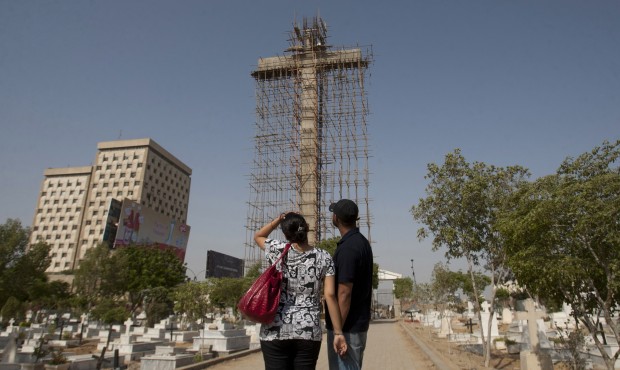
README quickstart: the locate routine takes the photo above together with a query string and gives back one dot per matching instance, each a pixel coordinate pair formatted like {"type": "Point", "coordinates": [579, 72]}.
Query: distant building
{"type": "Point", "coordinates": [73, 209]}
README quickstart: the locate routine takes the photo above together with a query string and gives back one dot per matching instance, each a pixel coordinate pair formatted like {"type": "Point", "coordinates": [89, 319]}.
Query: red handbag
{"type": "Point", "coordinates": [260, 302]}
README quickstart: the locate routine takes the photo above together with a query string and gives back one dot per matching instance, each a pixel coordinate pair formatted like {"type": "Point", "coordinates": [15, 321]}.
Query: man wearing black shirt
{"type": "Point", "coordinates": [354, 264]}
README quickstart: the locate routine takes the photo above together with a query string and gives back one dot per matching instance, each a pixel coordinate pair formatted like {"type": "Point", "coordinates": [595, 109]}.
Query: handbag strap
{"type": "Point", "coordinates": [284, 252]}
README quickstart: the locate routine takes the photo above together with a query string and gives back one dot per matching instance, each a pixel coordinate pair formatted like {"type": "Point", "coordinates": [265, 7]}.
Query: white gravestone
{"type": "Point", "coordinates": [532, 358]}
{"type": "Point", "coordinates": [506, 316]}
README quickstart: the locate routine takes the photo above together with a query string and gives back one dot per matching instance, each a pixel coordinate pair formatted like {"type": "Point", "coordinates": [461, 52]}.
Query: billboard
{"type": "Point", "coordinates": [111, 224]}
{"type": "Point", "coordinates": [141, 225]}
{"type": "Point", "coordinates": [222, 265]}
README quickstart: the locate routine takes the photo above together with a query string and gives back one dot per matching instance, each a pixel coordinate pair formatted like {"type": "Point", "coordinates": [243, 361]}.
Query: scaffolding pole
{"type": "Point", "coordinates": [311, 141]}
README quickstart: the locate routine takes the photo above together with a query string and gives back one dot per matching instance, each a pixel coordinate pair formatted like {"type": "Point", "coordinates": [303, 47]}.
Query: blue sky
{"type": "Point", "coordinates": [508, 82]}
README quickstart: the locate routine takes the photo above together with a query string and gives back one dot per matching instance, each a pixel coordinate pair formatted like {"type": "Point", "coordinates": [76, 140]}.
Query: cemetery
{"type": "Point", "coordinates": [80, 343]}
{"type": "Point", "coordinates": [528, 337]}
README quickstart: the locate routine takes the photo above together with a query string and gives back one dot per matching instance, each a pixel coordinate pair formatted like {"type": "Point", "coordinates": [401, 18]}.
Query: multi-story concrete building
{"type": "Point", "coordinates": [72, 210]}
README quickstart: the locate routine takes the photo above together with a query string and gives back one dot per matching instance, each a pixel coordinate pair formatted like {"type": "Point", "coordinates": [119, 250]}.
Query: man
{"type": "Point", "coordinates": [354, 265]}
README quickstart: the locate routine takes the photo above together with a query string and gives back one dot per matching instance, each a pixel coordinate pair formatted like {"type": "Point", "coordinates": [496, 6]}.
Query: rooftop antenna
{"type": "Point", "coordinates": [120, 134]}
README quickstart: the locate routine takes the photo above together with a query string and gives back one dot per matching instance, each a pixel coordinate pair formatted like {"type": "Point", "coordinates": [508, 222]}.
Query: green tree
{"type": "Point", "coordinates": [13, 308]}
{"type": "Point", "coordinates": [226, 292]}
{"type": "Point", "coordinates": [502, 297]}
{"type": "Point", "coordinates": [445, 284]}
{"type": "Point", "coordinates": [128, 274]}
{"type": "Point", "coordinates": [329, 245]}
{"type": "Point", "coordinates": [460, 211]}
{"type": "Point", "coordinates": [563, 238]}
{"type": "Point", "coordinates": [22, 267]}
{"type": "Point", "coordinates": [91, 277]}
{"type": "Point", "coordinates": [143, 268]}
{"type": "Point", "coordinates": [422, 293]}
{"type": "Point", "coordinates": [158, 304]}
{"type": "Point", "coordinates": [192, 300]}
{"type": "Point", "coordinates": [403, 288]}
{"type": "Point", "coordinates": [110, 311]}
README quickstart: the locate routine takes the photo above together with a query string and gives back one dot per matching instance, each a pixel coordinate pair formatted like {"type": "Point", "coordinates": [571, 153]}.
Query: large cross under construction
{"type": "Point", "coordinates": [311, 143]}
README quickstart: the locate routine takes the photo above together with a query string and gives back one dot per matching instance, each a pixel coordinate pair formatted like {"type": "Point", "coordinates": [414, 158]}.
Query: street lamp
{"type": "Point", "coordinates": [193, 273]}
{"type": "Point", "coordinates": [413, 273]}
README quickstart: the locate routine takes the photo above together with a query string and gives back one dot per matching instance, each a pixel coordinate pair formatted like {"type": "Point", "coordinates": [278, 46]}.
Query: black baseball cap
{"type": "Point", "coordinates": [345, 209]}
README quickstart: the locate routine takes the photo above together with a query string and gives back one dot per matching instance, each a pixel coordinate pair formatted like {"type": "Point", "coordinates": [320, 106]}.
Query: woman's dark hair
{"type": "Point", "coordinates": [295, 228]}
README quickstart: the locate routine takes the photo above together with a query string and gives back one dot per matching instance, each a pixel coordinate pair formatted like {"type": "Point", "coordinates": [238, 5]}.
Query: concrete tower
{"type": "Point", "coordinates": [311, 143]}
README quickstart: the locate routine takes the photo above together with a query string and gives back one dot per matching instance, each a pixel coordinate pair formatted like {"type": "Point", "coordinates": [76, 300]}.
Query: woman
{"type": "Point", "coordinates": [293, 339]}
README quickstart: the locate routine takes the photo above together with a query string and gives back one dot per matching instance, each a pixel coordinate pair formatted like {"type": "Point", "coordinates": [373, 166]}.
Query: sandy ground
{"type": "Point", "coordinates": [390, 347]}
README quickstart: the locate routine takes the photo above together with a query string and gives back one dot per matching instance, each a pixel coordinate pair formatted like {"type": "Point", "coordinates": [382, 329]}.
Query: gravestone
{"type": "Point", "coordinates": [429, 318]}
{"type": "Point", "coordinates": [445, 328]}
{"type": "Point", "coordinates": [485, 316]}
{"type": "Point", "coordinates": [506, 316]}
{"type": "Point", "coordinates": [532, 358]}
{"type": "Point", "coordinates": [222, 337]}
{"type": "Point", "coordinates": [470, 310]}
{"type": "Point", "coordinates": [9, 354]}
{"type": "Point", "coordinates": [128, 323]}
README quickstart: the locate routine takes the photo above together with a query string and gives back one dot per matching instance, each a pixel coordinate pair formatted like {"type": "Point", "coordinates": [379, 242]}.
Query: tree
{"type": "Point", "coordinates": [109, 311]}
{"type": "Point", "coordinates": [403, 288]}
{"type": "Point", "coordinates": [158, 305]}
{"type": "Point", "coordinates": [460, 211]}
{"type": "Point", "coordinates": [143, 268]}
{"type": "Point", "coordinates": [226, 292]}
{"type": "Point", "coordinates": [329, 245]}
{"type": "Point", "coordinates": [445, 284]}
{"type": "Point", "coordinates": [563, 238]}
{"type": "Point", "coordinates": [128, 274]}
{"type": "Point", "coordinates": [22, 267]}
{"type": "Point", "coordinates": [192, 300]}
{"type": "Point", "coordinates": [90, 279]}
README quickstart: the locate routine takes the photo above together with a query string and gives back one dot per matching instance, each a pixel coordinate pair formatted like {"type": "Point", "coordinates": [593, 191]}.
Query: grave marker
{"type": "Point", "coordinates": [532, 359]}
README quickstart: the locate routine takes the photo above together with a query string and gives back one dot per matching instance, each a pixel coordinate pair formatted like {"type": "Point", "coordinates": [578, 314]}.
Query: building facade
{"type": "Point", "coordinates": [73, 205]}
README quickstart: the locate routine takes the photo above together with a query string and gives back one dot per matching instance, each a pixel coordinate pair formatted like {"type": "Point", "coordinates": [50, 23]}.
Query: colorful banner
{"type": "Point", "coordinates": [140, 225]}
